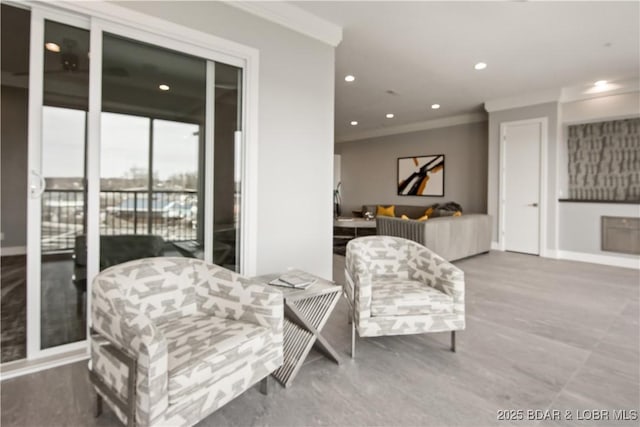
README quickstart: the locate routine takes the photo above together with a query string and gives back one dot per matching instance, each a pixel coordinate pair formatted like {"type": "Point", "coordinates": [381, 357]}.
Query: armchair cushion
{"type": "Point", "coordinates": [204, 349]}
{"type": "Point", "coordinates": [408, 297]}
{"type": "Point", "coordinates": [200, 334]}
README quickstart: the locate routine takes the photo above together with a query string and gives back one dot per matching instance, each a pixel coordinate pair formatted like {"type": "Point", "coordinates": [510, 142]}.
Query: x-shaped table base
{"type": "Point", "coordinates": [305, 316]}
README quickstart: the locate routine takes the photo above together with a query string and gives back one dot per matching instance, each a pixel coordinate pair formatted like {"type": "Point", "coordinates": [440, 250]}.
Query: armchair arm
{"type": "Point", "coordinates": [118, 320]}
{"type": "Point", "coordinates": [358, 289]}
{"type": "Point", "coordinates": [226, 294]}
{"type": "Point", "coordinates": [358, 284]}
{"type": "Point", "coordinates": [430, 268]}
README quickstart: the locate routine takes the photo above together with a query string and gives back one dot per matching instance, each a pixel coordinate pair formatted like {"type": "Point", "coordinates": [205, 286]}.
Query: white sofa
{"type": "Point", "coordinates": [450, 237]}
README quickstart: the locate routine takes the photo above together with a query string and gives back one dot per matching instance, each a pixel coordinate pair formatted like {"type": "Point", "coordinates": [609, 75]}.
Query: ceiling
{"type": "Point", "coordinates": [424, 52]}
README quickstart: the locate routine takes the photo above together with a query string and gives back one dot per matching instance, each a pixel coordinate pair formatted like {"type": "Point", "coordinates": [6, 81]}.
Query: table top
{"type": "Point", "coordinates": [354, 223]}
{"type": "Point", "coordinates": [320, 287]}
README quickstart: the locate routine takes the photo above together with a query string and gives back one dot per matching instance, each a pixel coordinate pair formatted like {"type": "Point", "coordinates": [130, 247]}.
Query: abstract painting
{"type": "Point", "coordinates": [421, 176]}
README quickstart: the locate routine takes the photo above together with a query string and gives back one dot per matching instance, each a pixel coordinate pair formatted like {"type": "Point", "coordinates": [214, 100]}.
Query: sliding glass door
{"type": "Point", "coordinates": [135, 151]}
{"type": "Point", "coordinates": [62, 198]}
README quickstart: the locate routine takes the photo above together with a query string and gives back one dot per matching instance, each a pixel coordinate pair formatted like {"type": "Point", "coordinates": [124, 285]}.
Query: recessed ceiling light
{"type": "Point", "coordinates": [435, 106]}
{"type": "Point", "coordinates": [354, 123]}
{"type": "Point", "coordinates": [480, 66]}
{"type": "Point", "coordinates": [601, 84]}
{"type": "Point", "coordinates": [164, 87]}
{"type": "Point", "coordinates": [349, 78]}
{"type": "Point", "coordinates": [53, 47]}
{"type": "Point", "coordinates": [390, 116]}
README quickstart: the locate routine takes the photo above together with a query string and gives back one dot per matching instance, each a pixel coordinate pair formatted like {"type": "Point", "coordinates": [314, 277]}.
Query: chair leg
{"type": "Point", "coordinates": [453, 341]}
{"type": "Point", "coordinates": [264, 385]}
{"type": "Point", "coordinates": [98, 405]}
{"type": "Point", "coordinates": [353, 339]}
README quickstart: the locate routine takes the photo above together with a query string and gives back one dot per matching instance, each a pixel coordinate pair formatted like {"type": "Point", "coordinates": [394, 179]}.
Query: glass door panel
{"type": "Point", "coordinates": [14, 98]}
{"type": "Point", "coordinates": [153, 103]}
{"type": "Point", "coordinates": [226, 170]}
{"type": "Point", "coordinates": [63, 172]}
{"type": "Point", "coordinates": [175, 179]}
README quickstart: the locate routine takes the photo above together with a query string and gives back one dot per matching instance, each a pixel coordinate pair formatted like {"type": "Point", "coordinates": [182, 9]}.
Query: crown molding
{"type": "Point", "coordinates": [588, 91]}
{"type": "Point", "coordinates": [564, 95]}
{"type": "Point", "coordinates": [526, 100]}
{"type": "Point", "coordinates": [292, 17]}
{"type": "Point", "coordinates": [414, 127]}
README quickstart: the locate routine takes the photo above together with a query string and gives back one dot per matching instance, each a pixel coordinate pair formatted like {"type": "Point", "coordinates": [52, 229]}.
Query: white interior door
{"type": "Point", "coordinates": [521, 161]}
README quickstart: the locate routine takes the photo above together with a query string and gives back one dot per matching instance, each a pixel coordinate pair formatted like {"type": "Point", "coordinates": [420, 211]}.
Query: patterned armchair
{"type": "Point", "coordinates": [174, 339]}
{"type": "Point", "coordinates": [396, 287]}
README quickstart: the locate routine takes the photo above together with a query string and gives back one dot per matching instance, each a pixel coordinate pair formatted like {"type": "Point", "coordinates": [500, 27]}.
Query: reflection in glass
{"type": "Point", "coordinates": [63, 220]}
{"type": "Point", "coordinates": [13, 207]}
{"type": "Point", "coordinates": [152, 151]}
{"type": "Point", "coordinates": [226, 167]}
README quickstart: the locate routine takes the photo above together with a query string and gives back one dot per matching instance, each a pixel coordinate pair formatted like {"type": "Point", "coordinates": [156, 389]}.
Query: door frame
{"type": "Point", "coordinates": [98, 17]}
{"type": "Point", "coordinates": [543, 122]}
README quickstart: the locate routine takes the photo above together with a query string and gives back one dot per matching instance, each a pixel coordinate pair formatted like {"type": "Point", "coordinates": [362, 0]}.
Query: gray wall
{"type": "Point", "coordinates": [370, 168]}
{"type": "Point", "coordinates": [295, 131]}
{"type": "Point", "coordinates": [13, 155]}
{"type": "Point", "coordinates": [550, 111]}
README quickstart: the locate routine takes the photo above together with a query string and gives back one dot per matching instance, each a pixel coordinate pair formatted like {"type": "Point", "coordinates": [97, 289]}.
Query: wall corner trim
{"type": "Point", "coordinates": [615, 261]}
{"type": "Point", "coordinates": [495, 246]}
{"type": "Point", "coordinates": [294, 18]}
{"type": "Point", "coordinates": [462, 119]}
{"type": "Point", "coordinates": [526, 100]}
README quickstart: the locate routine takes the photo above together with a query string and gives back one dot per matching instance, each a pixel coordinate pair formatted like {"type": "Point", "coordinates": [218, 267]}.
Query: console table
{"type": "Point", "coordinates": [354, 227]}
{"type": "Point", "coordinates": [345, 229]}
{"type": "Point", "coordinates": [306, 311]}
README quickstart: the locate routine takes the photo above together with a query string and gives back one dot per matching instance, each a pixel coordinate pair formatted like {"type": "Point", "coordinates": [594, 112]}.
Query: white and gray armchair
{"type": "Point", "coordinates": [397, 287]}
{"type": "Point", "coordinates": [174, 339]}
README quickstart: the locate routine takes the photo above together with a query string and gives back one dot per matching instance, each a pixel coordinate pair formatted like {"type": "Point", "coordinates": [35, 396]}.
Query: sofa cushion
{"type": "Point", "coordinates": [203, 349]}
{"type": "Point", "coordinates": [385, 210]}
{"type": "Point", "coordinates": [407, 297]}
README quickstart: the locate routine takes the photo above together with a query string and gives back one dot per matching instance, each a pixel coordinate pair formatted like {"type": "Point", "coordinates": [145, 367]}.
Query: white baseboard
{"type": "Point", "coordinates": [13, 250]}
{"type": "Point", "coordinates": [612, 260]}
{"type": "Point", "coordinates": [550, 253]}
{"type": "Point", "coordinates": [23, 367]}
{"type": "Point", "coordinates": [495, 246]}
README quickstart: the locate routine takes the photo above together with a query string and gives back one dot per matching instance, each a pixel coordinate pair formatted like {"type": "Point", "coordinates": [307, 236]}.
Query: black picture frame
{"type": "Point", "coordinates": [415, 173]}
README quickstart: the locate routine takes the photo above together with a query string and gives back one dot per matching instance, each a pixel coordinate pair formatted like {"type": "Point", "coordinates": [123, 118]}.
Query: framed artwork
{"type": "Point", "coordinates": [421, 176]}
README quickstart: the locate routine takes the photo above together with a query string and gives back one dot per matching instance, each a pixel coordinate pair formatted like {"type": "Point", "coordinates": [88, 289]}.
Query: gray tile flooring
{"type": "Point", "coordinates": [541, 334]}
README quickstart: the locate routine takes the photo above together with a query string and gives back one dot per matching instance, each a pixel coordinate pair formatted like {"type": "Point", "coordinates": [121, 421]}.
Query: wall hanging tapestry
{"type": "Point", "coordinates": [421, 176]}
{"type": "Point", "coordinates": [604, 161]}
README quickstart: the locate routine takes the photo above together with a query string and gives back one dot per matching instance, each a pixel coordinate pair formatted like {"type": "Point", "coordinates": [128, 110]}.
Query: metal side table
{"type": "Point", "coordinates": [306, 312]}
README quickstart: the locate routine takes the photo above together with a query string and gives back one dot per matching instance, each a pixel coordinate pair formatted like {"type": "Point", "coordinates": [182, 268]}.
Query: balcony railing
{"type": "Point", "coordinates": [170, 214]}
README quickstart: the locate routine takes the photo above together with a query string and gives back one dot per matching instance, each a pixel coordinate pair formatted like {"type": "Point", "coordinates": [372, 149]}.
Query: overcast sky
{"type": "Point", "coordinates": [125, 144]}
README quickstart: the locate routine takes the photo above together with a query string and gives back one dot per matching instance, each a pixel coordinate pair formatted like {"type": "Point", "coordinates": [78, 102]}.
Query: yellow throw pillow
{"type": "Point", "coordinates": [428, 212]}
{"type": "Point", "coordinates": [388, 211]}
{"type": "Point", "coordinates": [423, 218]}
{"type": "Point", "coordinates": [404, 216]}
{"type": "Point", "coordinates": [457, 213]}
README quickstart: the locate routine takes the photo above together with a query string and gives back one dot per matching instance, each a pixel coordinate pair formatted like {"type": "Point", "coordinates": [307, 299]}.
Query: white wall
{"type": "Point", "coordinates": [295, 131]}
{"type": "Point", "coordinates": [580, 226]}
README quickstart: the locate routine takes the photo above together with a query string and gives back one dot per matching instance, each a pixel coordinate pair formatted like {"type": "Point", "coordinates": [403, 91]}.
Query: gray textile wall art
{"type": "Point", "coordinates": [604, 160]}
